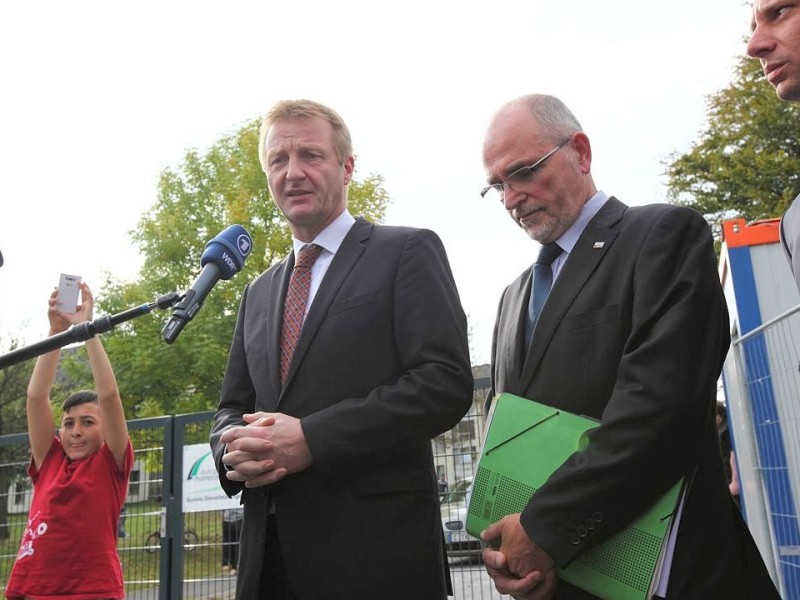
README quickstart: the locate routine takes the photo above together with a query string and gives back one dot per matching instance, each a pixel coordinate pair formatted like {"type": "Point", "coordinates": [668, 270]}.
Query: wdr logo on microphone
{"type": "Point", "coordinates": [232, 264]}
{"type": "Point", "coordinates": [244, 244]}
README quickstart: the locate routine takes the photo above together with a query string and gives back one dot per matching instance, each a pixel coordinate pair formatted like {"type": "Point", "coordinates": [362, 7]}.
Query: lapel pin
{"type": "Point", "coordinates": [598, 245]}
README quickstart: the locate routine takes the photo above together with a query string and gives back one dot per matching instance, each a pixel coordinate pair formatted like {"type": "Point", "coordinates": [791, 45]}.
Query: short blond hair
{"type": "Point", "coordinates": [286, 110]}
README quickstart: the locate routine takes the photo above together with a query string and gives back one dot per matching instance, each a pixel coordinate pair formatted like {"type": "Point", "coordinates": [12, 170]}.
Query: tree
{"type": "Point", "coordinates": [13, 457]}
{"type": "Point", "coordinates": [747, 160]}
{"type": "Point", "coordinates": [195, 202]}
{"type": "Point", "coordinates": [13, 393]}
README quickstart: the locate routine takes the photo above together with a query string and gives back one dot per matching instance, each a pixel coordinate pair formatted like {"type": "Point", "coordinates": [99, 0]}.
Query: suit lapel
{"type": "Point", "coordinates": [343, 262]}
{"type": "Point", "coordinates": [592, 246]}
{"type": "Point", "coordinates": [511, 354]}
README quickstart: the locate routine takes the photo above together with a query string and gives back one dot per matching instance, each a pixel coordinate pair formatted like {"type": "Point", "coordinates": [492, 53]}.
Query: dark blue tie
{"type": "Point", "coordinates": [541, 282]}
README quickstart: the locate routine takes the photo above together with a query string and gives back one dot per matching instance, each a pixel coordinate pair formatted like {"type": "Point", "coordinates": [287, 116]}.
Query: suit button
{"type": "Point", "coordinates": [597, 517]}
{"type": "Point", "coordinates": [574, 539]}
{"type": "Point", "coordinates": [590, 524]}
{"type": "Point", "coordinates": [583, 531]}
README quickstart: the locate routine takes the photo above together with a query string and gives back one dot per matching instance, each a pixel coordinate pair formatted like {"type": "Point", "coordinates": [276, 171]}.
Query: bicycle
{"type": "Point", "coordinates": [153, 541]}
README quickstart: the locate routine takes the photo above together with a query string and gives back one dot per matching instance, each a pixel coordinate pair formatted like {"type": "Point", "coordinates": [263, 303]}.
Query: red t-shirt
{"type": "Point", "coordinates": [69, 547]}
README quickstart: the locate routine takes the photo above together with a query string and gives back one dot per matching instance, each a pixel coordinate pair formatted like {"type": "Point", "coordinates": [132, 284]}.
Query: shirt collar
{"type": "Point", "coordinates": [332, 236]}
{"type": "Point", "coordinates": [570, 237]}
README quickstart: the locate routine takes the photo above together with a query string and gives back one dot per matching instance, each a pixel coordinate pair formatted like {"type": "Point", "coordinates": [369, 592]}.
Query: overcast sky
{"type": "Point", "coordinates": [98, 97]}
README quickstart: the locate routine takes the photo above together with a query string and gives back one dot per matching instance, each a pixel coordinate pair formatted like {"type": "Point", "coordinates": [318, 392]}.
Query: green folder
{"type": "Point", "coordinates": [525, 442]}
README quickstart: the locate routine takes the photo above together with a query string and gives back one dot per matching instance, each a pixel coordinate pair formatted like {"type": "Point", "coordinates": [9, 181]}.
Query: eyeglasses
{"type": "Point", "coordinates": [521, 176]}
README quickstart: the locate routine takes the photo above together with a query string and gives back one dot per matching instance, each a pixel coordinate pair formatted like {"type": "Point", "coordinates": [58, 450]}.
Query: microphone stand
{"type": "Point", "coordinates": [83, 331]}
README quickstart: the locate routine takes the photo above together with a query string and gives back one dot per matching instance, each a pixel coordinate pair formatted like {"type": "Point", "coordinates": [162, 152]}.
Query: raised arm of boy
{"type": "Point", "coordinates": [39, 408]}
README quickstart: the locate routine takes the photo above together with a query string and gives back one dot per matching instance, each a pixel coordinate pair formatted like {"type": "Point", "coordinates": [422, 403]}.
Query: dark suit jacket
{"type": "Point", "coordinates": [634, 333]}
{"type": "Point", "coordinates": [790, 237]}
{"type": "Point", "coordinates": [381, 368]}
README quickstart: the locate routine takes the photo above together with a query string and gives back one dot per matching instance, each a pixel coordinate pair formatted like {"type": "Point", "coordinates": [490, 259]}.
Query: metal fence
{"type": "Point", "coordinates": [762, 386]}
{"type": "Point", "coordinates": [169, 555]}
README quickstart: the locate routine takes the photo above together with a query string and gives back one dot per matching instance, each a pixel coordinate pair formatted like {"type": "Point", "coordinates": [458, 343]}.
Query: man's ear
{"type": "Point", "coordinates": [583, 147]}
{"type": "Point", "coordinates": [349, 167]}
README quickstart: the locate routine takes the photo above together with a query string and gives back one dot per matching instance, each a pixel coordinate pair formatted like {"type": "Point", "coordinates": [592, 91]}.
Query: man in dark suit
{"type": "Point", "coordinates": [775, 41]}
{"type": "Point", "coordinates": [633, 333]}
{"type": "Point", "coordinates": [330, 443]}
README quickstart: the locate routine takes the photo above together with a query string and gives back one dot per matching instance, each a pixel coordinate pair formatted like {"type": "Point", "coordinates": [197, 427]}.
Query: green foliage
{"type": "Point", "coordinates": [746, 162]}
{"type": "Point", "coordinates": [205, 194]}
{"type": "Point", "coordinates": [13, 392]}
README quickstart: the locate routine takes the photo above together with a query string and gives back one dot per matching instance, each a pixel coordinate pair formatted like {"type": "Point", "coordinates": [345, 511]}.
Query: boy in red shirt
{"type": "Point", "coordinates": [80, 479]}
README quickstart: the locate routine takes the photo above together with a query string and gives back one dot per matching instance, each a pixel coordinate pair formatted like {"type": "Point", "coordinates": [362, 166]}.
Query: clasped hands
{"type": "Point", "coordinates": [516, 564]}
{"type": "Point", "coordinates": [269, 447]}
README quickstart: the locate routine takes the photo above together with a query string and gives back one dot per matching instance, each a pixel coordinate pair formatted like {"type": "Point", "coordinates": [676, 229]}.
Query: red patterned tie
{"type": "Point", "coordinates": [294, 307]}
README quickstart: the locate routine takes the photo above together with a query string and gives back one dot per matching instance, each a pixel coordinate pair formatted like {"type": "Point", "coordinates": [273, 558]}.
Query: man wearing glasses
{"type": "Point", "coordinates": [633, 333]}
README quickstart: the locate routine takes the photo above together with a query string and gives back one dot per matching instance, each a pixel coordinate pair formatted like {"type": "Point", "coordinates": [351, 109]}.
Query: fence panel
{"type": "Point", "coordinates": [768, 360]}
{"type": "Point", "coordinates": [203, 573]}
{"type": "Point", "coordinates": [455, 455]}
{"type": "Point", "coordinates": [15, 497]}
{"type": "Point", "coordinates": [140, 524]}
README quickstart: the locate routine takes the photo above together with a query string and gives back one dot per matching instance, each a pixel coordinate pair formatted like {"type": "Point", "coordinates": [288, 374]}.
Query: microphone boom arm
{"type": "Point", "coordinates": [84, 331]}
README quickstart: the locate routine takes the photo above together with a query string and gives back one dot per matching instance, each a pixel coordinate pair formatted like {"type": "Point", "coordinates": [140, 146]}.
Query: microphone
{"type": "Point", "coordinates": [222, 258]}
